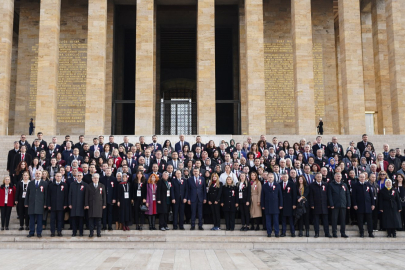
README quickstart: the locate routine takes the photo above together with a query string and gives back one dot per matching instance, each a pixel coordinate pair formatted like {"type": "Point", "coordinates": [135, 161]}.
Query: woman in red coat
{"type": "Point", "coordinates": [7, 195]}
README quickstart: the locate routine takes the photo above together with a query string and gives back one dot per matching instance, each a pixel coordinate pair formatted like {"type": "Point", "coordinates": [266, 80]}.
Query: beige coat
{"type": "Point", "coordinates": [256, 210]}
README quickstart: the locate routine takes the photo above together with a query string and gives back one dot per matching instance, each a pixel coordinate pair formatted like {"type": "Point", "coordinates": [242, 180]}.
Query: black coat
{"type": "Point", "coordinates": [95, 199]}
{"type": "Point", "coordinates": [125, 207]}
{"type": "Point", "coordinates": [402, 194]}
{"type": "Point", "coordinates": [57, 196]}
{"type": "Point", "coordinates": [179, 190]}
{"type": "Point", "coordinates": [246, 192]}
{"type": "Point", "coordinates": [161, 195]}
{"type": "Point", "coordinates": [19, 192]}
{"type": "Point", "coordinates": [214, 193]}
{"type": "Point", "coordinates": [36, 197]}
{"type": "Point", "coordinates": [338, 195]}
{"type": "Point", "coordinates": [305, 195]}
{"type": "Point", "coordinates": [363, 198]}
{"type": "Point", "coordinates": [318, 198]}
{"type": "Point", "coordinates": [10, 160]}
{"type": "Point", "coordinates": [390, 204]}
{"type": "Point", "coordinates": [289, 198]}
{"type": "Point", "coordinates": [110, 183]}
{"type": "Point", "coordinates": [142, 187]}
{"type": "Point", "coordinates": [271, 199]}
{"type": "Point", "coordinates": [76, 198]}
{"type": "Point", "coordinates": [17, 160]}
{"type": "Point", "coordinates": [229, 197]}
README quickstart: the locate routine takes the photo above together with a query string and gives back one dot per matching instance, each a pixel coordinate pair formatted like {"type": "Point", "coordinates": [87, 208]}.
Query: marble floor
{"type": "Point", "coordinates": [200, 259]}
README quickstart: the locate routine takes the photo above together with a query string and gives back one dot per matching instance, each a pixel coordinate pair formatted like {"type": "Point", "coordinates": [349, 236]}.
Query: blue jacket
{"type": "Point", "coordinates": [196, 192]}
{"type": "Point", "coordinates": [271, 198]}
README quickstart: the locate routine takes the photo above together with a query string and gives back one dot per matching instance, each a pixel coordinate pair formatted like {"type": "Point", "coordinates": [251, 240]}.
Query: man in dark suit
{"type": "Point", "coordinates": [77, 191]}
{"type": "Point", "coordinates": [180, 144]}
{"type": "Point", "coordinates": [95, 202]}
{"type": "Point", "coordinates": [35, 149]}
{"type": "Point", "coordinates": [127, 145]}
{"type": "Point", "coordinates": [57, 148]}
{"type": "Point", "coordinates": [155, 145]}
{"type": "Point", "coordinates": [57, 203]}
{"type": "Point", "coordinates": [289, 192]}
{"type": "Point", "coordinates": [318, 201]}
{"type": "Point", "coordinates": [363, 144]}
{"type": "Point", "coordinates": [42, 144]}
{"type": "Point", "coordinates": [67, 152]}
{"type": "Point", "coordinates": [111, 186]}
{"type": "Point", "coordinates": [51, 152]}
{"type": "Point", "coordinates": [111, 143]}
{"type": "Point", "coordinates": [267, 144]}
{"type": "Point", "coordinates": [198, 143]}
{"type": "Point", "coordinates": [392, 159]}
{"type": "Point", "coordinates": [79, 145]}
{"type": "Point", "coordinates": [35, 200]}
{"type": "Point", "coordinates": [75, 156]}
{"type": "Point", "coordinates": [67, 139]}
{"type": "Point", "coordinates": [22, 156]}
{"type": "Point", "coordinates": [174, 161]}
{"type": "Point", "coordinates": [162, 164]}
{"type": "Point", "coordinates": [271, 202]}
{"type": "Point", "coordinates": [197, 196]}
{"type": "Point", "coordinates": [308, 175]}
{"type": "Point", "coordinates": [318, 145]}
{"type": "Point", "coordinates": [96, 146]}
{"type": "Point", "coordinates": [329, 148]}
{"type": "Point", "coordinates": [307, 154]}
{"type": "Point", "coordinates": [10, 158]}
{"type": "Point", "coordinates": [178, 194]}
{"type": "Point", "coordinates": [319, 159]}
{"type": "Point", "coordinates": [23, 141]}
{"type": "Point", "coordinates": [86, 151]}
{"type": "Point", "coordinates": [363, 203]}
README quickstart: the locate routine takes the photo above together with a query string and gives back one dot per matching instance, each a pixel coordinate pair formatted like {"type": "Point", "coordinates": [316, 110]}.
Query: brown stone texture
{"type": "Point", "coordinates": [13, 85]}
{"type": "Point", "coordinates": [301, 31]}
{"type": "Point", "coordinates": [325, 76]}
{"type": "Point", "coordinates": [395, 10]}
{"type": "Point", "coordinates": [242, 67]}
{"type": "Point", "coordinates": [145, 67]}
{"type": "Point", "coordinates": [370, 102]}
{"type": "Point", "coordinates": [255, 67]}
{"type": "Point", "coordinates": [206, 67]}
{"type": "Point", "coordinates": [96, 67]}
{"type": "Point", "coordinates": [48, 66]}
{"type": "Point", "coordinates": [109, 67]}
{"type": "Point", "coordinates": [6, 44]}
{"type": "Point", "coordinates": [351, 67]}
{"type": "Point", "coordinates": [381, 67]}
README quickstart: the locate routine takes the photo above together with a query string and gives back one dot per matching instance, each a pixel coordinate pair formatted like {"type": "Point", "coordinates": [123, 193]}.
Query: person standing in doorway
{"type": "Point", "coordinates": [31, 129]}
{"type": "Point", "coordinates": [320, 127]}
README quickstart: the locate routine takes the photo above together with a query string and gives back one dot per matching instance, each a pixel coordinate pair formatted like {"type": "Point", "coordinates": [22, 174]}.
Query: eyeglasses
{"type": "Point", "coordinates": [383, 174]}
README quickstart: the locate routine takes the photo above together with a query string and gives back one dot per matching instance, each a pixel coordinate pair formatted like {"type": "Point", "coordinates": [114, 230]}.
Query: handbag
{"type": "Point", "coordinates": [143, 208]}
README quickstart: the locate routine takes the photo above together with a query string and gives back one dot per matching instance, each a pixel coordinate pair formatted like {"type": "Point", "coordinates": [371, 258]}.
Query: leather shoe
{"type": "Point", "coordinates": [362, 235]}
{"type": "Point", "coordinates": [182, 229]}
{"type": "Point", "coordinates": [29, 236]}
{"type": "Point", "coordinates": [277, 235]}
{"type": "Point", "coordinates": [110, 228]}
{"type": "Point", "coordinates": [307, 234]}
{"type": "Point", "coordinates": [192, 228]}
{"type": "Point", "coordinates": [316, 235]}
{"type": "Point", "coordinates": [21, 228]}
{"type": "Point", "coordinates": [334, 236]}
{"type": "Point", "coordinates": [328, 235]}
{"type": "Point", "coordinates": [293, 235]}
{"type": "Point", "coordinates": [282, 235]}
{"type": "Point", "coordinates": [81, 234]}
{"type": "Point", "coordinates": [98, 235]}
{"type": "Point", "coordinates": [201, 228]}
{"type": "Point", "coordinates": [73, 235]}
{"type": "Point", "coordinates": [91, 235]}
{"type": "Point", "coordinates": [371, 235]}
{"type": "Point", "coordinates": [52, 235]}
{"type": "Point", "coordinates": [39, 235]}
{"type": "Point", "coordinates": [60, 234]}
{"type": "Point", "coordinates": [344, 236]}
{"type": "Point", "coordinates": [269, 235]}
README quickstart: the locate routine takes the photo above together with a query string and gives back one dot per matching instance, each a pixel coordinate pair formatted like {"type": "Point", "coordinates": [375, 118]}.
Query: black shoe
{"type": "Point", "coordinates": [362, 235]}
{"type": "Point", "coordinates": [307, 234]}
{"type": "Point", "coordinates": [201, 228]}
{"type": "Point", "coordinates": [60, 234]}
{"type": "Point", "coordinates": [167, 228]}
{"type": "Point", "coordinates": [277, 235]}
{"type": "Point", "coordinates": [394, 235]}
{"type": "Point", "coordinates": [110, 228]}
{"type": "Point", "coordinates": [328, 235]}
{"type": "Point", "coordinates": [103, 228]}
{"type": "Point", "coordinates": [91, 235]}
{"type": "Point", "coordinates": [73, 235]}
{"type": "Point", "coordinates": [140, 228]}
{"type": "Point", "coordinates": [293, 235]}
{"type": "Point", "coordinates": [30, 235]}
{"type": "Point", "coordinates": [252, 227]}
{"type": "Point", "coordinates": [192, 228]}
{"type": "Point", "coordinates": [242, 229]}
{"type": "Point", "coordinates": [81, 234]}
{"type": "Point", "coordinates": [52, 235]}
{"type": "Point", "coordinates": [227, 229]}
{"type": "Point", "coordinates": [371, 235]}
{"type": "Point", "coordinates": [316, 235]}
{"type": "Point", "coordinates": [27, 228]}
{"type": "Point", "coordinates": [269, 235]}
{"type": "Point", "coordinates": [175, 228]}
{"type": "Point", "coordinates": [39, 235]}
{"type": "Point", "coordinates": [300, 234]}
{"type": "Point", "coordinates": [98, 235]}
{"type": "Point", "coordinates": [21, 228]}
{"type": "Point", "coordinates": [334, 236]}
{"type": "Point", "coordinates": [2, 228]}
{"type": "Point", "coordinates": [246, 228]}
{"type": "Point", "coordinates": [282, 235]}
{"type": "Point", "coordinates": [257, 228]}
{"type": "Point", "coordinates": [344, 236]}
{"type": "Point", "coordinates": [389, 235]}
{"type": "Point", "coordinates": [181, 228]}
{"type": "Point", "coordinates": [6, 228]}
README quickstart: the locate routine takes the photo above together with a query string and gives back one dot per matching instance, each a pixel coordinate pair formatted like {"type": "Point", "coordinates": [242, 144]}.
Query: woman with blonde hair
{"type": "Point", "coordinates": [151, 200]}
{"type": "Point", "coordinates": [382, 164]}
{"type": "Point", "coordinates": [229, 203]}
{"type": "Point", "coordinates": [7, 198]}
{"type": "Point", "coordinates": [214, 200]}
{"type": "Point", "coordinates": [255, 209]}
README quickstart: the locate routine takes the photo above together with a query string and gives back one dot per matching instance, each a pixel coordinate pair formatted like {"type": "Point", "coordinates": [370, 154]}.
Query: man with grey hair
{"type": "Point", "coordinates": [95, 202]}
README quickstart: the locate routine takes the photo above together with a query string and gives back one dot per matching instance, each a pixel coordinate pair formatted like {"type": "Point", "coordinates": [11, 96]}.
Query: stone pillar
{"type": "Point", "coordinates": [109, 68]}
{"type": "Point", "coordinates": [255, 88]}
{"type": "Point", "coordinates": [242, 68]}
{"type": "Point", "coordinates": [395, 10]}
{"type": "Point", "coordinates": [206, 121]}
{"type": "Point", "coordinates": [301, 31]}
{"type": "Point", "coordinates": [381, 67]}
{"type": "Point", "coordinates": [145, 68]}
{"type": "Point", "coordinates": [6, 42]}
{"type": "Point", "coordinates": [96, 67]}
{"type": "Point", "coordinates": [48, 67]}
{"type": "Point", "coordinates": [351, 67]}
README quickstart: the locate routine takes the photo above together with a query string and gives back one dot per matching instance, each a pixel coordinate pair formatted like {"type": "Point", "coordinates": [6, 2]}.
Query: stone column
{"type": "Point", "coordinates": [242, 68]}
{"type": "Point", "coordinates": [255, 88]}
{"type": "Point", "coordinates": [145, 68]}
{"type": "Point", "coordinates": [96, 67]}
{"type": "Point", "coordinates": [381, 67]}
{"type": "Point", "coordinates": [6, 42]}
{"type": "Point", "coordinates": [301, 31]}
{"type": "Point", "coordinates": [395, 10]}
{"type": "Point", "coordinates": [48, 67]}
{"type": "Point", "coordinates": [206, 121]}
{"type": "Point", "coordinates": [351, 67]}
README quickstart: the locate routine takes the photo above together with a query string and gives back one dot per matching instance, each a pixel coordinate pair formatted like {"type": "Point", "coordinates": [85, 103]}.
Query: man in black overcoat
{"type": "Point", "coordinates": [363, 203]}
{"type": "Point", "coordinates": [76, 200]}
{"type": "Point", "coordinates": [318, 201]}
{"type": "Point", "coordinates": [95, 202]}
{"type": "Point", "coordinates": [111, 186]}
{"type": "Point", "coordinates": [178, 194]}
{"type": "Point", "coordinates": [57, 202]}
{"type": "Point", "coordinates": [289, 192]}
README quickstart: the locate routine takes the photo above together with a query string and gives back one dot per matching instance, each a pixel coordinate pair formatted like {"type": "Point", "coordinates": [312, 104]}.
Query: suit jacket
{"type": "Point", "coordinates": [311, 176]}
{"type": "Point", "coordinates": [78, 158]}
{"type": "Point", "coordinates": [57, 196]}
{"type": "Point", "coordinates": [363, 198]}
{"type": "Point", "coordinates": [18, 159]}
{"type": "Point", "coordinates": [179, 190]}
{"type": "Point", "coordinates": [289, 198]}
{"type": "Point", "coordinates": [42, 145]}
{"type": "Point", "coordinates": [34, 152]}
{"type": "Point", "coordinates": [316, 147]}
{"type": "Point", "coordinates": [329, 149]}
{"type": "Point", "coordinates": [36, 197]}
{"type": "Point", "coordinates": [306, 158]}
{"type": "Point", "coordinates": [195, 146]}
{"type": "Point", "coordinates": [79, 146]}
{"type": "Point", "coordinates": [93, 148]}
{"type": "Point", "coordinates": [95, 199]}
{"type": "Point", "coordinates": [318, 198]}
{"type": "Point", "coordinates": [10, 160]}
{"type": "Point", "coordinates": [111, 185]}
{"type": "Point", "coordinates": [158, 146]}
{"type": "Point", "coordinates": [177, 146]}
{"type": "Point", "coordinates": [162, 165]}
{"type": "Point", "coordinates": [112, 146]}
{"type": "Point", "coordinates": [196, 191]}
{"type": "Point", "coordinates": [27, 145]}
{"type": "Point", "coordinates": [76, 198]}
{"type": "Point", "coordinates": [271, 198]}
{"type": "Point", "coordinates": [171, 162]}
{"type": "Point", "coordinates": [361, 146]}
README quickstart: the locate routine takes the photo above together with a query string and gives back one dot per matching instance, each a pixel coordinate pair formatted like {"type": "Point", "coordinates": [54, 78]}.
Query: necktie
{"type": "Point", "coordinates": [36, 183]}
{"type": "Point", "coordinates": [308, 179]}
{"type": "Point", "coordinates": [23, 156]}
{"type": "Point", "coordinates": [195, 180]}
{"type": "Point", "coordinates": [284, 186]}
{"type": "Point", "coordinates": [95, 185]}
{"type": "Point", "coordinates": [175, 164]}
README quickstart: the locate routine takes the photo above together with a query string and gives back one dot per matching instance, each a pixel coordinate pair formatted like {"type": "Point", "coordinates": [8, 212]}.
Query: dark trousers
{"type": "Point", "coordinates": [178, 214]}
{"type": "Point", "coordinates": [216, 214]}
{"type": "Point", "coordinates": [5, 215]}
{"type": "Point", "coordinates": [271, 220]}
{"type": "Point", "coordinates": [77, 221]}
{"type": "Point", "coordinates": [44, 217]}
{"type": "Point", "coordinates": [304, 220]}
{"type": "Point", "coordinates": [162, 220]}
{"type": "Point", "coordinates": [187, 212]}
{"type": "Point", "coordinates": [58, 217]}
{"type": "Point", "coordinates": [360, 219]}
{"type": "Point", "coordinates": [95, 222]}
{"type": "Point", "coordinates": [374, 216]}
{"type": "Point", "coordinates": [402, 218]}
{"type": "Point", "coordinates": [336, 212]}
{"type": "Point", "coordinates": [284, 223]}
{"type": "Point", "coordinates": [38, 219]}
{"type": "Point", "coordinates": [229, 220]}
{"type": "Point", "coordinates": [138, 214]}
{"type": "Point", "coordinates": [264, 220]}
{"type": "Point", "coordinates": [244, 214]}
{"type": "Point", "coordinates": [324, 222]}
{"type": "Point", "coordinates": [196, 206]}
{"type": "Point", "coordinates": [22, 212]}
{"type": "Point", "coordinates": [108, 216]}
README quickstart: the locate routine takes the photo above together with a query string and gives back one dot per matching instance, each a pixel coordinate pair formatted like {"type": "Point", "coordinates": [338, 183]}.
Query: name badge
{"type": "Point", "coordinates": [138, 193]}
{"type": "Point", "coordinates": [240, 195]}
{"type": "Point", "coordinates": [168, 193]}
{"type": "Point", "coordinates": [24, 193]}
{"type": "Point", "coordinates": [154, 197]}
{"type": "Point", "coordinates": [126, 195]}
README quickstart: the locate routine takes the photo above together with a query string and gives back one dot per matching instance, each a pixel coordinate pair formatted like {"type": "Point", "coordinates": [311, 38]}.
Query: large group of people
{"type": "Point", "coordinates": [264, 184]}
